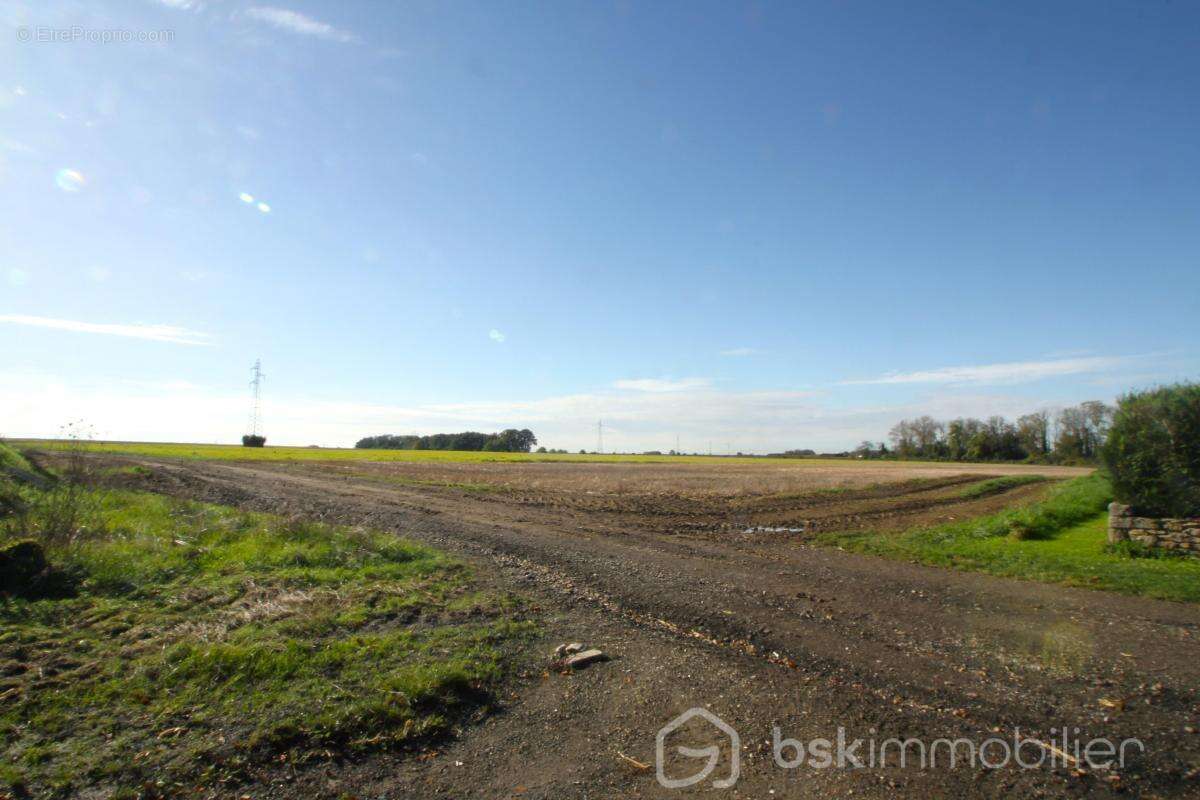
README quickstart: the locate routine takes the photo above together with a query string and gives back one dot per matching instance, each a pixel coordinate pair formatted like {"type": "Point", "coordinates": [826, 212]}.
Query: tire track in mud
{"type": "Point", "coordinates": [895, 505]}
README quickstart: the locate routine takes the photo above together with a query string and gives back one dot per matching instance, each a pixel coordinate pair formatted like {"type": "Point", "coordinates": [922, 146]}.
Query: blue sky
{"type": "Point", "coordinates": [765, 225]}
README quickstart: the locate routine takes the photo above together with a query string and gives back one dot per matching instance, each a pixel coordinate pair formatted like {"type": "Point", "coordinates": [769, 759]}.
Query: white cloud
{"type": "Point", "coordinates": [740, 352]}
{"type": "Point", "coordinates": [496, 336]}
{"type": "Point", "coordinates": [1068, 353]}
{"type": "Point", "coordinates": [661, 384]}
{"type": "Point", "coordinates": [157, 333]}
{"type": "Point", "coordinates": [17, 277]}
{"type": "Point", "coordinates": [1012, 372]}
{"type": "Point", "coordinates": [182, 5]}
{"type": "Point", "coordinates": [295, 22]}
{"type": "Point", "coordinates": [13, 146]}
{"type": "Point", "coordinates": [172, 409]}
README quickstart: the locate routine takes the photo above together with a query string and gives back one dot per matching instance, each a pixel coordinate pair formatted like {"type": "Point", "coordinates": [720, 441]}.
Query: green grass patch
{"type": "Point", "coordinates": [204, 642]}
{"type": "Point", "coordinates": [1060, 539]}
{"type": "Point", "coordinates": [11, 458]}
{"type": "Point", "coordinates": [999, 485]}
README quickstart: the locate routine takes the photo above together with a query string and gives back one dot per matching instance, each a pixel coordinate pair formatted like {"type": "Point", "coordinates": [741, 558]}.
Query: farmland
{"type": "Point", "coordinates": [226, 452]}
{"type": "Point", "coordinates": [754, 586]}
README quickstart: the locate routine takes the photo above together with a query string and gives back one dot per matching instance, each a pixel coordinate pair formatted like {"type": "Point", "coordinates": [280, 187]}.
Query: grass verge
{"type": "Point", "coordinates": [998, 485]}
{"type": "Point", "coordinates": [1061, 539]}
{"type": "Point", "coordinates": [11, 459]}
{"type": "Point", "coordinates": [203, 644]}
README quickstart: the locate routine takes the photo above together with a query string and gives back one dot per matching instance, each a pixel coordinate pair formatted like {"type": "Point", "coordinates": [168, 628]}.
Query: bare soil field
{"type": "Point", "coordinates": [715, 478]}
{"type": "Point", "coordinates": [669, 570]}
{"type": "Point", "coordinates": [727, 498]}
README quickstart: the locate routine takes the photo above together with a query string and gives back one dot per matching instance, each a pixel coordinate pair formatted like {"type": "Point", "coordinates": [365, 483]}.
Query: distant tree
{"type": "Point", "coordinates": [995, 440]}
{"type": "Point", "coordinates": [1033, 430]}
{"type": "Point", "coordinates": [927, 433]}
{"type": "Point", "coordinates": [1081, 431]}
{"type": "Point", "coordinates": [959, 433]}
{"type": "Point", "coordinates": [525, 440]}
{"type": "Point", "coordinates": [903, 439]}
{"type": "Point", "coordinates": [469, 440]}
{"type": "Point", "coordinates": [922, 437]}
{"type": "Point", "coordinates": [511, 440]}
{"type": "Point", "coordinates": [1099, 418]}
{"type": "Point", "coordinates": [253, 440]}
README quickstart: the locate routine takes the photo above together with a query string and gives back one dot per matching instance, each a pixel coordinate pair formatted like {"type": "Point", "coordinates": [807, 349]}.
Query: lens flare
{"type": "Point", "coordinates": [264, 208]}
{"type": "Point", "coordinates": [246, 198]}
{"type": "Point", "coordinates": [69, 180]}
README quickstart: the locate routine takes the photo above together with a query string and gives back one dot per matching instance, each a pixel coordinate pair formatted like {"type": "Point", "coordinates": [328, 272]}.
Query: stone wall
{"type": "Point", "coordinates": [1164, 532]}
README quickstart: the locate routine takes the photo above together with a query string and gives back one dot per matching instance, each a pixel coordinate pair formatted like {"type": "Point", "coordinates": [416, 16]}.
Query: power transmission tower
{"type": "Point", "coordinates": [600, 436]}
{"type": "Point", "coordinates": [256, 385]}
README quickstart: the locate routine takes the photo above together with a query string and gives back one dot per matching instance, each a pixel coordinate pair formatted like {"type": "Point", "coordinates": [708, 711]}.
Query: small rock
{"type": "Point", "coordinates": [581, 660]}
{"type": "Point", "coordinates": [567, 649]}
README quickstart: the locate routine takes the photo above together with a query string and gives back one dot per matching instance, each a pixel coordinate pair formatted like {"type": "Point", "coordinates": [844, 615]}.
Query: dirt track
{"type": "Point", "coordinates": [764, 630]}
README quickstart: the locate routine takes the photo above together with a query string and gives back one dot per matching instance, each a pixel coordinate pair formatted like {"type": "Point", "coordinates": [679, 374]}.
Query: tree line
{"type": "Point", "coordinates": [1073, 434]}
{"type": "Point", "coordinates": [510, 440]}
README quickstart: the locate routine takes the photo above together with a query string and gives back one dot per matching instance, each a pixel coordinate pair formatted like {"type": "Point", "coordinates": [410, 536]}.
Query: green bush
{"type": "Point", "coordinates": [253, 440]}
{"type": "Point", "coordinates": [25, 572]}
{"type": "Point", "coordinates": [1153, 451]}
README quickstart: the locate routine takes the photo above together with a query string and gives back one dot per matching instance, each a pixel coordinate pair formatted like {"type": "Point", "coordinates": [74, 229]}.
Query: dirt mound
{"type": "Point", "coordinates": [25, 572]}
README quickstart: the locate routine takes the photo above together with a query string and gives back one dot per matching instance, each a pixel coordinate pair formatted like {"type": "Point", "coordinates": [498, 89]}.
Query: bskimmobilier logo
{"type": "Point", "coordinates": [711, 754]}
{"type": "Point", "coordinates": [1064, 747]}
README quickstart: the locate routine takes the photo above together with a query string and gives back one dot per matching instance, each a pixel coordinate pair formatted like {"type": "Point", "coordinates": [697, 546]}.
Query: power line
{"type": "Point", "coordinates": [256, 385]}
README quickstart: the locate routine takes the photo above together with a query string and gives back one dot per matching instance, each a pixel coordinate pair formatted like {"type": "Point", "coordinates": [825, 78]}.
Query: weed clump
{"type": "Point", "coordinates": [25, 573]}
